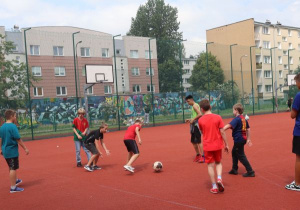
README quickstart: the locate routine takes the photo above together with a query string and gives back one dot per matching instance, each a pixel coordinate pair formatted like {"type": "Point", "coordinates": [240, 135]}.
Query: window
{"type": "Point", "coordinates": [279, 45]}
{"type": "Point", "coordinates": [58, 51]}
{"type": "Point", "coordinates": [18, 59]}
{"type": "Point", "coordinates": [136, 88]}
{"type": "Point", "coordinates": [186, 62]}
{"type": "Point", "coordinates": [290, 32]}
{"type": "Point", "coordinates": [135, 71]}
{"type": "Point", "coordinates": [267, 59]}
{"type": "Point", "coordinates": [118, 51]}
{"type": "Point", "coordinates": [134, 54]}
{"type": "Point", "coordinates": [284, 39]}
{"type": "Point", "coordinates": [280, 88]}
{"type": "Point", "coordinates": [105, 52]}
{"type": "Point", "coordinates": [291, 60]}
{"type": "Point", "coordinates": [298, 34]}
{"type": "Point", "coordinates": [107, 89]}
{"type": "Point", "coordinates": [280, 74]}
{"type": "Point", "coordinates": [259, 88]}
{"type": "Point", "coordinates": [265, 30]}
{"type": "Point", "coordinates": [299, 47]}
{"type": "Point", "coordinates": [149, 88]}
{"type": "Point", "coordinates": [268, 88]}
{"type": "Point", "coordinates": [38, 91]}
{"type": "Point", "coordinates": [278, 31]}
{"type": "Point", "coordinates": [266, 45]}
{"type": "Point", "coordinates": [285, 52]}
{"type": "Point", "coordinates": [85, 52]}
{"type": "Point", "coordinates": [34, 49]}
{"type": "Point", "coordinates": [186, 71]}
{"type": "Point", "coordinates": [148, 72]}
{"type": "Point", "coordinates": [285, 66]}
{"type": "Point", "coordinates": [83, 71]}
{"type": "Point", "coordinates": [186, 80]}
{"type": "Point", "coordinates": [15, 48]}
{"type": "Point", "coordinates": [36, 71]}
{"type": "Point", "coordinates": [147, 54]}
{"type": "Point", "coordinates": [61, 91]}
{"type": "Point", "coordinates": [267, 74]}
{"type": "Point", "coordinates": [257, 43]}
{"type": "Point", "coordinates": [290, 46]}
{"type": "Point", "coordinates": [60, 71]}
{"type": "Point", "coordinates": [89, 91]}
{"type": "Point", "coordinates": [279, 60]}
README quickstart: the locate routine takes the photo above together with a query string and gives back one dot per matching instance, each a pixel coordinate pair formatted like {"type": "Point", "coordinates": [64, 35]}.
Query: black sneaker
{"type": "Point", "coordinates": [96, 168]}
{"type": "Point", "coordinates": [293, 186]}
{"type": "Point", "coordinates": [249, 174]}
{"type": "Point", "coordinates": [88, 168]}
{"type": "Point", "coordinates": [233, 172]}
{"type": "Point", "coordinates": [79, 164]}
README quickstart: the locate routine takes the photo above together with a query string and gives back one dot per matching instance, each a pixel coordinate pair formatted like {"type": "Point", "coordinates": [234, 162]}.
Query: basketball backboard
{"type": "Point", "coordinates": [99, 74]}
{"type": "Point", "coordinates": [290, 79]}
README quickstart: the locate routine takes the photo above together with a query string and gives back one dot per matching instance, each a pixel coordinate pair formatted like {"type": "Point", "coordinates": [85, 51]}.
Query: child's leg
{"type": "Point", "coordinates": [132, 159]}
{"type": "Point", "coordinates": [297, 170]}
{"type": "Point", "coordinates": [219, 169]}
{"type": "Point", "coordinates": [96, 160]}
{"type": "Point", "coordinates": [211, 172]}
{"type": "Point", "coordinates": [77, 149]}
{"type": "Point", "coordinates": [242, 157]}
{"type": "Point", "coordinates": [87, 152]}
{"type": "Point", "coordinates": [201, 149]}
{"type": "Point", "coordinates": [196, 147]}
{"type": "Point", "coordinates": [235, 159]}
{"type": "Point", "coordinates": [91, 160]}
{"type": "Point", "coordinates": [12, 177]}
{"type": "Point", "coordinates": [129, 156]}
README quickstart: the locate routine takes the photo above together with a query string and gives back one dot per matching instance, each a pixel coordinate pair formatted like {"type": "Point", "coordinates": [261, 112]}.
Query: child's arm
{"type": "Point", "coordinates": [85, 131]}
{"type": "Point", "coordinates": [98, 146]}
{"type": "Point", "coordinates": [104, 147]}
{"type": "Point", "coordinates": [224, 139]}
{"type": "Point", "coordinates": [137, 131]}
{"type": "Point", "coordinates": [294, 113]}
{"type": "Point", "coordinates": [76, 133]}
{"type": "Point", "coordinates": [226, 127]}
{"type": "Point", "coordinates": [21, 143]}
{"type": "Point", "coordinates": [248, 137]}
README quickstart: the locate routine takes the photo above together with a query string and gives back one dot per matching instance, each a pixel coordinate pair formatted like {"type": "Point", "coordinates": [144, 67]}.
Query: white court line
{"type": "Point", "coordinates": [150, 197]}
{"type": "Point", "coordinates": [268, 180]}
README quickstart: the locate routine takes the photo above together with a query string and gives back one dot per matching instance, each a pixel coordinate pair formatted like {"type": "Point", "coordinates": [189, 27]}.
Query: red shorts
{"type": "Point", "coordinates": [213, 156]}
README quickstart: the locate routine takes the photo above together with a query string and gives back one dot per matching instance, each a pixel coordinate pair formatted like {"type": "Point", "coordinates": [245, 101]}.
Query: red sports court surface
{"type": "Point", "coordinates": [52, 180]}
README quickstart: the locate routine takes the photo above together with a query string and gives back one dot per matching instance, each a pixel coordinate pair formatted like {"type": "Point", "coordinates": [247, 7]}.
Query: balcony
{"type": "Point", "coordinates": [258, 51]}
{"type": "Point", "coordinates": [258, 66]}
{"type": "Point", "coordinates": [257, 37]}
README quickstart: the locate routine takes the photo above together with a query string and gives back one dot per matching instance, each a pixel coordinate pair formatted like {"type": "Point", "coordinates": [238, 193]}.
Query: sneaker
{"type": "Point", "coordinates": [96, 168]}
{"type": "Point", "coordinates": [197, 158]}
{"type": "Point", "coordinates": [249, 174]}
{"type": "Point", "coordinates": [214, 190]}
{"type": "Point", "coordinates": [19, 181]}
{"type": "Point", "coordinates": [17, 189]}
{"type": "Point", "coordinates": [220, 185]}
{"type": "Point", "coordinates": [233, 172]}
{"type": "Point", "coordinates": [79, 164]}
{"type": "Point", "coordinates": [88, 168]}
{"type": "Point", "coordinates": [129, 168]}
{"type": "Point", "coordinates": [293, 186]}
{"type": "Point", "coordinates": [201, 160]}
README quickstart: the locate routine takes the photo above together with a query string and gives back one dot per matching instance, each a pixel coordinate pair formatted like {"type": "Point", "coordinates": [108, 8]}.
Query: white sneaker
{"type": "Point", "coordinates": [129, 168]}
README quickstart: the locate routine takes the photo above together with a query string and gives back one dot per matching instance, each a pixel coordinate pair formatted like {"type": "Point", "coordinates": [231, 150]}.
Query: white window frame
{"type": "Point", "coordinates": [290, 46]}
{"type": "Point", "coordinates": [134, 88]}
{"type": "Point", "coordinates": [265, 30]}
{"type": "Point", "coordinates": [134, 54]}
{"type": "Point", "coordinates": [35, 92]}
{"type": "Point", "coordinates": [148, 71]}
{"type": "Point", "coordinates": [298, 34]}
{"type": "Point", "coordinates": [90, 91]}
{"type": "Point", "coordinates": [135, 71]}
{"type": "Point", "coordinates": [284, 39]}
{"type": "Point", "coordinates": [279, 45]}
{"type": "Point", "coordinates": [107, 89]}
{"type": "Point", "coordinates": [298, 47]}
{"type": "Point", "coordinates": [105, 52]}
{"type": "Point", "coordinates": [61, 71]}
{"type": "Point", "coordinates": [186, 71]}
{"type": "Point", "coordinates": [281, 88]}
{"type": "Point", "coordinates": [268, 60]}
{"type": "Point", "coordinates": [266, 44]}
{"type": "Point", "coordinates": [291, 60]}
{"type": "Point", "coordinates": [147, 54]}
{"type": "Point", "coordinates": [279, 59]}
{"type": "Point", "coordinates": [290, 32]}
{"type": "Point", "coordinates": [280, 73]}
{"type": "Point", "coordinates": [57, 49]}
{"type": "Point", "coordinates": [285, 66]}
{"type": "Point", "coordinates": [278, 31]}
{"type": "Point", "coordinates": [35, 69]}
{"type": "Point", "coordinates": [60, 89]}
{"type": "Point", "coordinates": [149, 88]}
{"type": "Point", "coordinates": [285, 52]}
{"type": "Point", "coordinates": [260, 88]}
{"type": "Point", "coordinates": [34, 49]}
{"type": "Point", "coordinates": [186, 62]}
{"type": "Point", "coordinates": [268, 91]}
{"type": "Point", "coordinates": [267, 76]}
{"type": "Point", "coordinates": [84, 50]}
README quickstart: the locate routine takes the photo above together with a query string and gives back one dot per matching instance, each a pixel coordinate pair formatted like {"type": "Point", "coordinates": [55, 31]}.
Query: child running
{"type": "Point", "coordinates": [92, 144]}
{"type": "Point", "coordinates": [213, 138]}
{"type": "Point", "coordinates": [9, 141]}
{"type": "Point", "coordinates": [241, 135]}
{"type": "Point", "coordinates": [194, 129]}
{"type": "Point", "coordinates": [130, 143]}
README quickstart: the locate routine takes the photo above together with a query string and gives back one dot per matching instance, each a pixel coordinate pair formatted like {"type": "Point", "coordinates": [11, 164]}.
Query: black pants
{"type": "Point", "coordinates": [238, 154]}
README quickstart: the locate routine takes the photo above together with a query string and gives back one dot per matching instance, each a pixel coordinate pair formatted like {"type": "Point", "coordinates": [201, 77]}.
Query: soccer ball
{"type": "Point", "coordinates": [247, 117]}
{"type": "Point", "coordinates": [157, 166]}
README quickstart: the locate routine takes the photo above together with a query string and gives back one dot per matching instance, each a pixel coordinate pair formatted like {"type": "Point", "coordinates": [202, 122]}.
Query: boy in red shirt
{"type": "Point", "coordinates": [130, 143]}
{"type": "Point", "coordinates": [214, 138]}
{"type": "Point", "coordinates": [80, 129]}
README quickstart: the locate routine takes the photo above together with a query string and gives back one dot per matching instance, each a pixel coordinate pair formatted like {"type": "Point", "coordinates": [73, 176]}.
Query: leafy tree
{"type": "Point", "coordinates": [199, 78]}
{"type": "Point", "coordinates": [159, 20]}
{"type": "Point", "coordinates": [226, 91]}
{"type": "Point", "coordinates": [13, 78]}
{"type": "Point", "coordinates": [297, 70]}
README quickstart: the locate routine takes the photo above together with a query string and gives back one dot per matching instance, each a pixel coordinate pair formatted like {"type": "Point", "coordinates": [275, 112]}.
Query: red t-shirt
{"type": "Point", "coordinates": [210, 126]}
{"type": "Point", "coordinates": [130, 133]}
{"type": "Point", "coordinates": [80, 124]}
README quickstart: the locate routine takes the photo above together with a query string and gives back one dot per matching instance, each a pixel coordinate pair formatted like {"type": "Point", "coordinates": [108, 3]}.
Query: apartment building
{"type": "Point", "coordinates": [273, 44]}
{"type": "Point", "coordinates": [188, 65]}
{"type": "Point", "coordinates": [51, 58]}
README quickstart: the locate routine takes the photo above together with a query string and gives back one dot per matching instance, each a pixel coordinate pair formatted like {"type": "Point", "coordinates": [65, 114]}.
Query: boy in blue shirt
{"type": "Point", "coordinates": [295, 114]}
{"type": "Point", "coordinates": [9, 140]}
{"type": "Point", "coordinates": [241, 135]}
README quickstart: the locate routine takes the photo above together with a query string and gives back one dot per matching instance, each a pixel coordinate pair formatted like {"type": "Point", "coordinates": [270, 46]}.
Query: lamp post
{"type": "Point", "coordinates": [28, 82]}
{"type": "Point", "coordinates": [207, 69]}
{"type": "Point", "coordinates": [151, 85]}
{"type": "Point", "coordinates": [115, 62]}
{"type": "Point", "coordinates": [252, 90]}
{"type": "Point", "coordinates": [181, 71]}
{"type": "Point", "coordinates": [231, 72]}
{"type": "Point", "coordinates": [272, 78]}
{"type": "Point", "coordinates": [73, 34]}
{"type": "Point", "coordinates": [243, 56]}
{"type": "Point", "coordinates": [78, 79]}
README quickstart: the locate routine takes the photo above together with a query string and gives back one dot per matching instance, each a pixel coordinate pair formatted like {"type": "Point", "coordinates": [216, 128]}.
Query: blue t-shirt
{"type": "Point", "coordinates": [9, 134]}
{"type": "Point", "coordinates": [296, 106]}
{"type": "Point", "coordinates": [239, 127]}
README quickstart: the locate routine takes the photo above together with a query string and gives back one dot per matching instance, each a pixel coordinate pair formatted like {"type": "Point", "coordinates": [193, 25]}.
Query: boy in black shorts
{"type": "Point", "coordinates": [130, 143]}
{"type": "Point", "coordinates": [92, 144]}
{"type": "Point", "coordinates": [9, 141]}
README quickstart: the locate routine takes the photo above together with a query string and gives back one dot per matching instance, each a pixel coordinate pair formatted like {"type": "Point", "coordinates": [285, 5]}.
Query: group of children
{"type": "Point", "coordinates": [207, 136]}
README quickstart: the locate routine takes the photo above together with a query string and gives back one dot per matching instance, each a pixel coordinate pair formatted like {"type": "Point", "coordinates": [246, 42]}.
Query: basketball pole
{"type": "Point", "coordinates": [115, 61]}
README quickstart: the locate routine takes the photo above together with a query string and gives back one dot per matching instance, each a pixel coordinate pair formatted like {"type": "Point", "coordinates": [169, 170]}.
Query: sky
{"type": "Point", "coordinates": [114, 16]}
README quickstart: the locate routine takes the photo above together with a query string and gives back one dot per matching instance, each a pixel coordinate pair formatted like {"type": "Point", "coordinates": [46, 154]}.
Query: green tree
{"type": "Point", "coordinates": [199, 78]}
{"type": "Point", "coordinates": [226, 91]}
{"type": "Point", "coordinates": [158, 19]}
{"type": "Point", "coordinates": [13, 77]}
{"type": "Point", "coordinates": [297, 70]}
